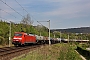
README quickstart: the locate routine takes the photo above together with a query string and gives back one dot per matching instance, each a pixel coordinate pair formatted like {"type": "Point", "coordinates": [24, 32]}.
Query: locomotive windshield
{"type": "Point", "coordinates": [18, 35]}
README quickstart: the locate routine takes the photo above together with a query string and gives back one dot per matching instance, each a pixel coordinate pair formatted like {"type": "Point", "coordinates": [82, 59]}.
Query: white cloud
{"type": "Point", "coordinates": [70, 10]}
{"type": "Point", "coordinates": [55, 9]}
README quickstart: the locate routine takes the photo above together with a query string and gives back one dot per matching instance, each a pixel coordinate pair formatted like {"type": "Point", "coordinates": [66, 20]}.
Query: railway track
{"type": "Point", "coordinates": [8, 53]}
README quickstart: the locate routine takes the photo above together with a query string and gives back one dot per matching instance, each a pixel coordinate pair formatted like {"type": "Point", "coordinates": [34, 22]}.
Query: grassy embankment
{"type": "Point", "coordinates": [53, 52]}
{"type": "Point", "coordinates": [83, 51]}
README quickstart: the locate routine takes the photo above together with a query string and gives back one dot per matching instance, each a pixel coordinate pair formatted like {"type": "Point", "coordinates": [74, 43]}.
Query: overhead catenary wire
{"type": "Point", "coordinates": [6, 20]}
{"type": "Point", "coordinates": [11, 8]}
{"type": "Point", "coordinates": [21, 6]}
{"type": "Point", "coordinates": [42, 24]}
{"type": "Point", "coordinates": [7, 13]}
{"type": "Point", "coordinates": [3, 18]}
{"type": "Point", "coordinates": [24, 9]}
{"type": "Point", "coordinates": [15, 10]}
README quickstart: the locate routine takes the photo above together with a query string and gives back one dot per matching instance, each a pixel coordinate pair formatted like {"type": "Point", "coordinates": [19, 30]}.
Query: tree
{"type": "Point", "coordinates": [2, 40]}
{"type": "Point", "coordinates": [27, 20]}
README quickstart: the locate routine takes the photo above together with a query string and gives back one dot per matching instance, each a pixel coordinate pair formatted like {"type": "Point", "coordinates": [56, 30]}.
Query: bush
{"type": "Point", "coordinates": [2, 40]}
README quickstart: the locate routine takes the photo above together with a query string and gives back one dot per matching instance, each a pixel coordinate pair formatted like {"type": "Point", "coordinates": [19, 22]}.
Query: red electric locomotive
{"type": "Point", "coordinates": [21, 38]}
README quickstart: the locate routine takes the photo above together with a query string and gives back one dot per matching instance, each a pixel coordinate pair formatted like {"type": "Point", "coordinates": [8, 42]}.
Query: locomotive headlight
{"type": "Point", "coordinates": [18, 38]}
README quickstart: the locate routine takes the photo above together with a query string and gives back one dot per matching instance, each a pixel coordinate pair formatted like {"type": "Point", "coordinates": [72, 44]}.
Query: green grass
{"type": "Point", "coordinates": [53, 52]}
{"type": "Point", "coordinates": [84, 46]}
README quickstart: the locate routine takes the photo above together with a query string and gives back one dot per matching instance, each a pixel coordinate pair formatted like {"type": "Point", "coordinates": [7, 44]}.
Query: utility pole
{"type": "Point", "coordinates": [49, 33]}
{"type": "Point", "coordinates": [48, 28]}
{"type": "Point", "coordinates": [10, 35]}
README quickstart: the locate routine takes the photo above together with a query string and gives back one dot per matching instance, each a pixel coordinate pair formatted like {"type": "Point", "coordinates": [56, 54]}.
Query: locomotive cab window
{"type": "Point", "coordinates": [18, 35]}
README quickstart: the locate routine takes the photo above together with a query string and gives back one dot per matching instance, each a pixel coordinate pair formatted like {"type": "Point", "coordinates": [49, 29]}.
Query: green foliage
{"type": "Point", "coordinates": [5, 27]}
{"type": "Point", "coordinates": [68, 53]}
{"type": "Point", "coordinates": [53, 52]}
{"type": "Point", "coordinates": [4, 33]}
{"type": "Point", "coordinates": [2, 40]}
{"type": "Point", "coordinates": [84, 46]}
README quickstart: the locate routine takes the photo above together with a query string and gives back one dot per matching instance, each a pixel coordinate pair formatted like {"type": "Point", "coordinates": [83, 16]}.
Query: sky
{"type": "Point", "coordinates": [62, 14]}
